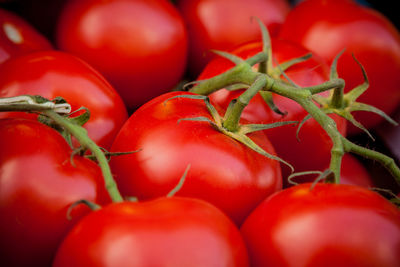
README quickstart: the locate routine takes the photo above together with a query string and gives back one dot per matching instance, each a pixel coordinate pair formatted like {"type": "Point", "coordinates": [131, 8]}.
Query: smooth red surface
{"type": "Point", "coordinates": [224, 24]}
{"type": "Point", "coordinates": [312, 152]}
{"type": "Point", "coordinates": [140, 46]}
{"type": "Point", "coordinates": [329, 26]}
{"type": "Point", "coordinates": [222, 170]}
{"type": "Point", "coordinates": [53, 73]}
{"type": "Point", "coordinates": [18, 37]}
{"type": "Point", "coordinates": [163, 232]}
{"type": "Point", "coordinates": [329, 225]}
{"type": "Point", "coordinates": [38, 183]}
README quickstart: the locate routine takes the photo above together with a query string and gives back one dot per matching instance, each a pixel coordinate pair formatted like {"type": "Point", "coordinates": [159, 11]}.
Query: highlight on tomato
{"type": "Point", "coordinates": [140, 46]}
{"type": "Point", "coordinates": [18, 37]}
{"type": "Point", "coordinates": [52, 74]}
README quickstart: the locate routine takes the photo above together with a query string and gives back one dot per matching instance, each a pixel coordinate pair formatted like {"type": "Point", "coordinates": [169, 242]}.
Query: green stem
{"type": "Point", "coordinates": [241, 73]}
{"type": "Point", "coordinates": [235, 109]}
{"type": "Point", "coordinates": [333, 83]}
{"type": "Point", "coordinates": [337, 97]}
{"type": "Point", "coordinates": [388, 162]}
{"type": "Point", "coordinates": [81, 135]}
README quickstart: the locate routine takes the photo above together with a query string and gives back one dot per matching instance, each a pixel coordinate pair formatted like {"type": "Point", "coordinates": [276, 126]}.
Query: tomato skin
{"type": "Point", "coordinates": [222, 170]}
{"type": "Point", "coordinates": [375, 42]}
{"type": "Point", "coordinates": [162, 232]}
{"type": "Point", "coordinates": [38, 183]}
{"type": "Point", "coordinates": [140, 46]}
{"type": "Point", "coordinates": [18, 37]}
{"type": "Point", "coordinates": [330, 225]}
{"type": "Point", "coordinates": [222, 25]}
{"type": "Point", "coordinates": [312, 152]}
{"type": "Point", "coordinates": [53, 73]}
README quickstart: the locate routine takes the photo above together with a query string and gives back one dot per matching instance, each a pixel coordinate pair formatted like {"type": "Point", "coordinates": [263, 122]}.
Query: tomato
{"type": "Point", "coordinates": [312, 150]}
{"type": "Point", "coordinates": [38, 183]}
{"type": "Point", "coordinates": [53, 73]}
{"type": "Point", "coordinates": [222, 170]}
{"type": "Point", "coordinates": [328, 225]}
{"type": "Point", "coordinates": [327, 27]}
{"type": "Point", "coordinates": [162, 232]}
{"type": "Point", "coordinates": [222, 25]}
{"type": "Point", "coordinates": [18, 37]}
{"type": "Point", "coordinates": [140, 46]}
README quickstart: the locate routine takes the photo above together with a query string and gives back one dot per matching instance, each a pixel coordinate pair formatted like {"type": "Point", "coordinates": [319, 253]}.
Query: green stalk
{"type": "Point", "coordinates": [81, 135]}
{"type": "Point", "coordinates": [235, 109]}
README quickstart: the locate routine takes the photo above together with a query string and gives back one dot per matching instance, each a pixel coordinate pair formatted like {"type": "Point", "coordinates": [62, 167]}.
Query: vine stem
{"type": "Point", "coordinates": [243, 74]}
{"type": "Point", "coordinates": [80, 134]}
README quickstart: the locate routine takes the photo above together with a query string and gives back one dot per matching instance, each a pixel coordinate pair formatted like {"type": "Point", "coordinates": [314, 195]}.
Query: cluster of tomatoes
{"type": "Point", "coordinates": [193, 195]}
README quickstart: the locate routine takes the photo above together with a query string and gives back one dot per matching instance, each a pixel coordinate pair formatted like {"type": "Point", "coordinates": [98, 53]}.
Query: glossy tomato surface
{"type": "Point", "coordinates": [222, 170]}
{"type": "Point", "coordinates": [18, 37]}
{"type": "Point", "coordinates": [328, 27]}
{"type": "Point", "coordinates": [140, 46]}
{"type": "Point", "coordinates": [328, 225]}
{"type": "Point", "coordinates": [53, 73]}
{"type": "Point", "coordinates": [224, 24]}
{"type": "Point", "coordinates": [39, 181]}
{"type": "Point", "coordinates": [162, 232]}
{"type": "Point", "coordinates": [312, 150]}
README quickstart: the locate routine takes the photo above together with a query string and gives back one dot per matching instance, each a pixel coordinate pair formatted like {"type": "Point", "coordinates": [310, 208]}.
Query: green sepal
{"type": "Point", "coordinates": [268, 99]}
{"type": "Point", "coordinates": [180, 183]}
{"type": "Point", "coordinates": [93, 206]}
{"type": "Point", "coordinates": [252, 145]}
{"type": "Point", "coordinates": [231, 57]}
{"type": "Point", "coordinates": [249, 128]}
{"type": "Point", "coordinates": [297, 174]}
{"type": "Point", "coordinates": [306, 118]}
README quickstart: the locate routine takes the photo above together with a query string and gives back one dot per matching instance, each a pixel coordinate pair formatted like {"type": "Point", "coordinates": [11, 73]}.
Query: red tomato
{"type": "Point", "coordinates": [222, 25]}
{"type": "Point", "coordinates": [223, 171]}
{"type": "Point", "coordinates": [327, 27]}
{"type": "Point", "coordinates": [18, 37]}
{"type": "Point", "coordinates": [312, 152]}
{"type": "Point", "coordinates": [38, 183]}
{"type": "Point", "coordinates": [162, 232]}
{"type": "Point", "coordinates": [329, 225]}
{"type": "Point", "coordinates": [140, 46]}
{"type": "Point", "coordinates": [51, 74]}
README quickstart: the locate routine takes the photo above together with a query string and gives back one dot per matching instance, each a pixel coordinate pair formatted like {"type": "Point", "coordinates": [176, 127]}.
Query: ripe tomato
{"type": "Point", "coordinates": [140, 46]}
{"type": "Point", "coordinates": [162, 232]}
{"type": "Point", "coordinates": [18, 37]}
{"type": "Point", "coordinates": [328, 26]}
{"type": "Point", "coordinates": [222, 170]}
{"type": "Point", "coordinates": [222, 25]}
{"type": "Point", "coordinates": [312, 152]}
{"type": "Point", "coordinates": [38, 183]}
{"type": "Point", "coordinates": [328, 225]}
{"type": "Point", "coordinates": [53, 73]}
